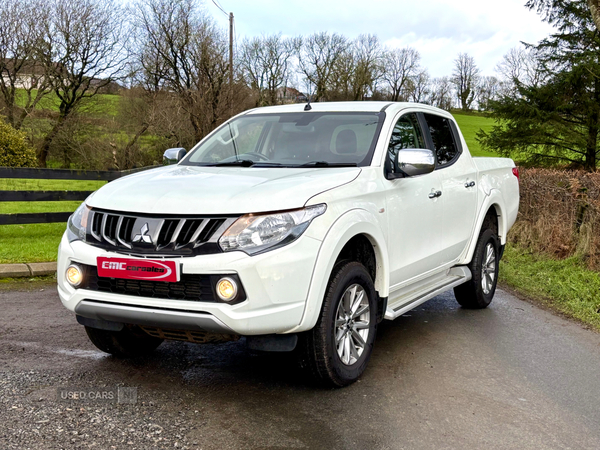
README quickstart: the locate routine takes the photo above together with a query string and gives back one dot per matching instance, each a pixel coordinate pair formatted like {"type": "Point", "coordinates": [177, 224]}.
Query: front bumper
{"type": "Point", "coordinates": [276, 285]}
{"type": "Point", "coordinates": [153, 317]}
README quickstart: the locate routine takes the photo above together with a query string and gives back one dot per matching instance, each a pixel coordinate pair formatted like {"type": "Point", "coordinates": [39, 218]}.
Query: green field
{"type": "Point", "coordinates": [36, 242]}
{"type": "Point", "coordinates": [99, 106]}
{"type": "Point", "coordinates": [470, 126]}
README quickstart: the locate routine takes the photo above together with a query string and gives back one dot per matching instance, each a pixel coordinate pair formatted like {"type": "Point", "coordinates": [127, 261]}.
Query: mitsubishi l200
{"type": "Point", "coordinates": [298, 227]}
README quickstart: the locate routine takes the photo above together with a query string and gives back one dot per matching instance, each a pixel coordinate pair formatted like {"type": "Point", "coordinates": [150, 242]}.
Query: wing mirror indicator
{"type": "Point", "coordinates": [173, 155]}
{"type": "Point", "coordinates": [411, 162]}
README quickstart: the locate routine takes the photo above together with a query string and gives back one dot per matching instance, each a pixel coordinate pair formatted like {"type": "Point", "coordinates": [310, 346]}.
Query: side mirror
{"type": "Point", "coordinates": [411, 162]}
{"type": "Point", "coordinates": [173, 155]}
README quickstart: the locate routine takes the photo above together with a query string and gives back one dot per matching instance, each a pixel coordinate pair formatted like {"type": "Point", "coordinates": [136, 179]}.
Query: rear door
{"type": "Point", "coordinates": [458, 177]}
{"type": "Point", "coordinates": [415, 220]}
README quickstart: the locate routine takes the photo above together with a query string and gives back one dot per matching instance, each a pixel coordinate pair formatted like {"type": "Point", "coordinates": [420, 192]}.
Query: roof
{"type": "Point", "coordinates": [358, 106]}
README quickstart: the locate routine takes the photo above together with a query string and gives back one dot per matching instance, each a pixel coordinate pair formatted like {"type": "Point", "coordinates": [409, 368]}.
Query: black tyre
{"type": "Point", "coordinates": [127, 343]}
{"type": "Point", "coordinates": [337, 350]}
{"type": "Point", "coordinates": [479, 291]}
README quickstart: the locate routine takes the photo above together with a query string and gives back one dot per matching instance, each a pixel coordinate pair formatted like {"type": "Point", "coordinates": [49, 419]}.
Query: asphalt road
{"type": "Point", "coordinates": [509, 377]}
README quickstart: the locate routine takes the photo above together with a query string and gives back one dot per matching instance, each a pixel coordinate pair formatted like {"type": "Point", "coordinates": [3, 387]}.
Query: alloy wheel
{"type": "Point", "coordinates": [488, 269]}
{"type": "Point", "coordinates": [352, 324]}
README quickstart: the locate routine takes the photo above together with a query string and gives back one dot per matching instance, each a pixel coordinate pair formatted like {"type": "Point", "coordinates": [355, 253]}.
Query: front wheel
{"type": "Point", "coordinates": [337, 350]}
{"type": "Point", "coordinates": [479, 291]}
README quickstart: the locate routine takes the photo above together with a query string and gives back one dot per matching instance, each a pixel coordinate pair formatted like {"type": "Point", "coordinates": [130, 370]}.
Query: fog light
{"type": "Point", "coordinates": [74, 275]}
{"type": "Point", "coordinates": [226, 289]}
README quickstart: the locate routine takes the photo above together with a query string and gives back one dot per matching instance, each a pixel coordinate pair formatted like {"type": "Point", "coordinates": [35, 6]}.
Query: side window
{"type": "Point", "coordinates": [406, 134]}
{"type": "Point", "coordinates": [440, 129]}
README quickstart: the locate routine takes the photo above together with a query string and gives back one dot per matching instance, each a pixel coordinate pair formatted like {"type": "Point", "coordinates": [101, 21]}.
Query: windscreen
{"type": "Point", "coordinates": [292, 140]}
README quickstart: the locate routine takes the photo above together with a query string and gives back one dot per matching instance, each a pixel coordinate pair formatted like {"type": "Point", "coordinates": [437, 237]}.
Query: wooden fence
{"type": "Point", "coordinates": [51, 196]}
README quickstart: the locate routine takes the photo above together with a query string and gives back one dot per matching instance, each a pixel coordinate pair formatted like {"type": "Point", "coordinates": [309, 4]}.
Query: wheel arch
{"type": "Point", "coordinates": [360, 248]}
{"type": "Point", "coordinates": [354, 227]}
{"type": "Point", "coordinates": [493, 205]}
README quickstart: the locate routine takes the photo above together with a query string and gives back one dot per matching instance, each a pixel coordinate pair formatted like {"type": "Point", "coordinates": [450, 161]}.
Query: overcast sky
{"type": "Point", "coordinates": [438, 29]}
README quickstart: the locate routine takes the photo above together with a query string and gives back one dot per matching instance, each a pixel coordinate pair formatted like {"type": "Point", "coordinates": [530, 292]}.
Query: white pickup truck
{"type": "Point", "coordinates": [298, 227]}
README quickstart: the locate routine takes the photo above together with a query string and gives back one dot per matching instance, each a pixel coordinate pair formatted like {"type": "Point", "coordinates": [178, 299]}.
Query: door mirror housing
{"type": "Point", "coordinates": [411, 162]}
{"type": "Point", "coordinates": [173, 155]}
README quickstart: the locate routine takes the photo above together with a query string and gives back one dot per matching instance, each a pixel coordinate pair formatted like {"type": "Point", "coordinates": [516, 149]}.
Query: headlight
{"type": "Point", "coordinates": [254, 233]}
{"type": "Point", "coordinates": [77, 224]}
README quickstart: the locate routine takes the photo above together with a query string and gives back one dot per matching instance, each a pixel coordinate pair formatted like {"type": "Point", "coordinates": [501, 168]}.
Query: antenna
{"type": "Point", "coordinates": [308, 107]}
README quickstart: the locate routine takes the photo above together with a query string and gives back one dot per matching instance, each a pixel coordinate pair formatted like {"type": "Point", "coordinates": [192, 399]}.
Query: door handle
{"type": "Point", "coordinates": [435, 194]}
{"type": "Point", "coordinates": [470, 184]}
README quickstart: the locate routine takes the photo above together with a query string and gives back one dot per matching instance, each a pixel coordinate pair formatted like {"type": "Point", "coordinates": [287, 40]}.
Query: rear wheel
{"type": "Point", "coordinates": [127, 343]}
{"type": "Point", "coordinates": [479, 291]}
{"type": "Point", "coordinates": [337, 350]}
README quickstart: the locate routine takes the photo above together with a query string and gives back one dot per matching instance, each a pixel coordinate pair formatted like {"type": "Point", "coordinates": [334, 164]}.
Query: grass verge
{"type": "Point", "coordinates": [564, 285]}
{"type": "Point", "coordinates": [30, 243]}
{"type": "Point", "coordinates": [28, 283]}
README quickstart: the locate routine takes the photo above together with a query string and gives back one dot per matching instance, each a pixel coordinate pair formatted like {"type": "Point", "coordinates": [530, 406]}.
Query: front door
{"type": "Point", "coordinates": [414, 219]}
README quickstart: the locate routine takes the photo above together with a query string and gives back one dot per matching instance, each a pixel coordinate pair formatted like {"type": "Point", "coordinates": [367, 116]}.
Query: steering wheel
{"type": "Point", "coordinates": [258, 155]}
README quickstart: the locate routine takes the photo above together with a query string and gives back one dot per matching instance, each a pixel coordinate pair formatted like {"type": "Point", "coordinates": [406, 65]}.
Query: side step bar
{"type": "Point", "coordinates": [456, 276]}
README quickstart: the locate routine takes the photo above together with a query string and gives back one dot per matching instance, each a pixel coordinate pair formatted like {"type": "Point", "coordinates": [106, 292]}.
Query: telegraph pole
{"type": "Point", "coordinates": [231, 62]}
{"type": "Point", "coordinates": [230, 54]}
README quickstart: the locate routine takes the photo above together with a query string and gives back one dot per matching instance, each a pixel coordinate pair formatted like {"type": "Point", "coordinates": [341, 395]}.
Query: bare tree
{"type": "Point", "coordinates": [418, 87]}
{"type": "Point", "coordinates": [317, 56]}
{"type": "Point", "coordinates": [180, 50]}
{"type": "Point", "coordinates": [400, 65]}
{"type": "Point", "coordinates": [357, 70]}
{"type": "Point", "coordinates": [83, 52]}
{"type": "Point", "coordinates": [343, 77]}
{"type": "Point", "coordinates": [522, 66]}
{"type": "Point", "coordinates": [489, 89]}
{"type": "Point", "coordinates": [266, 63]}
{"type": "Point", "coordinates": [254, 70]}
{"type": "Point", "coordinates": [465, 78]}
{"type": "Point", "coordinates": [440, 93]}
{"type": "Point", "coordinates": [20, 71]}
{"type": "Point", "coordinates": [368, 56]}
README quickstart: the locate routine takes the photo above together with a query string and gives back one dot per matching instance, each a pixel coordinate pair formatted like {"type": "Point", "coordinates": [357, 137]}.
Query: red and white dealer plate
{"type": "Point", "coordinates": [138, 269]}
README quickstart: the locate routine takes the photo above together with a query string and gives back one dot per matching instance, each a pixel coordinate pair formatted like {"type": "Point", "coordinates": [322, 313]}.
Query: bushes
{"type": "Point", "coordinates": [14, 151]}
{"type": "Point", "coordinates": [559, 214]}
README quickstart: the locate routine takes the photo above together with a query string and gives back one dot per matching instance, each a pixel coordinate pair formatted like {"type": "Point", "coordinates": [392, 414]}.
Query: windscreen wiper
{"type": "Point", "coordinates": [239, 163]}
{"type": "Point", "coordinates": [327, 164]}
{"type": "Point", "coordinates": [245, 163]}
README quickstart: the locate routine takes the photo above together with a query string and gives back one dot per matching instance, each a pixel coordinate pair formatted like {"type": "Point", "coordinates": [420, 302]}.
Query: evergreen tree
{"type": "Point", "coordinates": [558, 120]}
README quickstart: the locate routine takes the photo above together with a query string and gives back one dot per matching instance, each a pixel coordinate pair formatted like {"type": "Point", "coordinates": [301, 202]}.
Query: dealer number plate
{"type": "Point", "coordinates": [138, 269]}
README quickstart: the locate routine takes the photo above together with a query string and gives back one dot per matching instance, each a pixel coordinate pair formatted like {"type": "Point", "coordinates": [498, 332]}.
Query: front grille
{"type": "Point", "coordinates": [150, 235]}
{"type": "Point", "coordinates": [192, 287]}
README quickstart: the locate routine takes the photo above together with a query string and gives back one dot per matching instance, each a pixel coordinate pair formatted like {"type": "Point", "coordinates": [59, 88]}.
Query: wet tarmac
{"type": "Point", "coordinates": [512, 376]}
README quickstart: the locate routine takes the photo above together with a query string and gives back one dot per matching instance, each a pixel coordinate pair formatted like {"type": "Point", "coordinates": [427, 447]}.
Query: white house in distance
{"type": "Point", "coordinates": [30, 75]}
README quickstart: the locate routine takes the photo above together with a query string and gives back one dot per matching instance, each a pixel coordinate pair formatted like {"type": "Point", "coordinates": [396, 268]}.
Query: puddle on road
{"type": "Point", "coordinates": [78, 353]}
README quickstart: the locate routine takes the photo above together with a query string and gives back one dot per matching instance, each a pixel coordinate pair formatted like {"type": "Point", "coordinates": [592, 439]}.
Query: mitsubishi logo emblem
{"type": "Point", "coordinates": [143, 237]}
